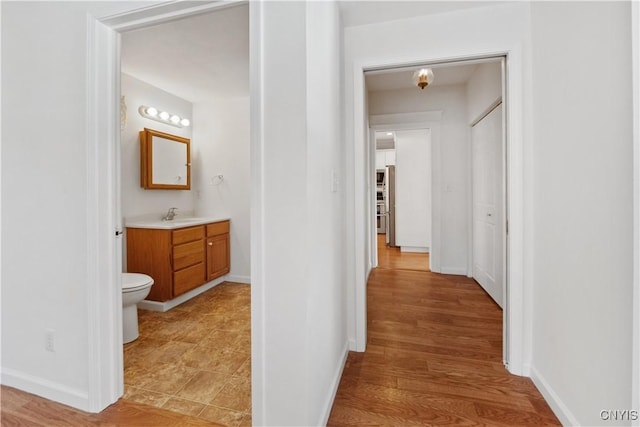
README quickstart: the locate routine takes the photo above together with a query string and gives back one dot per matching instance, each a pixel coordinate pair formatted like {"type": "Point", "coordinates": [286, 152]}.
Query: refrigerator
{"type": "Point", "coordinates": [391, 206]}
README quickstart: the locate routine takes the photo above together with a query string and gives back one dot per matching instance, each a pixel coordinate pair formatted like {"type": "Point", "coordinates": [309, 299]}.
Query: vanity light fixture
{"type": "Point", "coordinates": [163, 117]}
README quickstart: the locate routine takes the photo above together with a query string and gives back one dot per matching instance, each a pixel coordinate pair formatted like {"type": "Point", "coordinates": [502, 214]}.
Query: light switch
{"type": "Point", "coordinates": [335, 181]}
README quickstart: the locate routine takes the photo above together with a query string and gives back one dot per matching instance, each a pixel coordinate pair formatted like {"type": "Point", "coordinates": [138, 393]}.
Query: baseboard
{"type": "Point", "coordinates": [334, 386]}
{"type": "Point", "coordinates": [416, 249]}
{"type": "Point", "coordinates": [555, 403]}
{"type": "Point", "coordinates": [51, 390]}
{"type": "Point", "coordinates": [238, 279]}
{"type": "Point", "coordinates": [168, 305]}
{"type": "Point", "coordinates": [453, 270]}
{"type": "Point", "coordinates": [352, 345]}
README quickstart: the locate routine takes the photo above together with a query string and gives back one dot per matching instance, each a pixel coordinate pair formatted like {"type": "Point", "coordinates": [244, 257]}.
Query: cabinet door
{"type": "Point", "coordinates": [218, 258]}
{"type": "Point", "coordinates": [149, 252]}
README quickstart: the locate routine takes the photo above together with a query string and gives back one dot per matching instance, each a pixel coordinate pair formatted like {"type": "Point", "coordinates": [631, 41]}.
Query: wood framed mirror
{"type": "Point", "coordinates": [165, 161]}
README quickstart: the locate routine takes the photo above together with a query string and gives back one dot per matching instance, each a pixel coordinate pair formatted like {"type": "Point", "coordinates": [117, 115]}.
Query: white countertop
{"type": "Point", "coordinates": [178, 222]}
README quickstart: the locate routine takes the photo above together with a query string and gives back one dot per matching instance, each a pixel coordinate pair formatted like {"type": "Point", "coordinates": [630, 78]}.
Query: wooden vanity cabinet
{"type": "Point", "coordinates": [179, 259]}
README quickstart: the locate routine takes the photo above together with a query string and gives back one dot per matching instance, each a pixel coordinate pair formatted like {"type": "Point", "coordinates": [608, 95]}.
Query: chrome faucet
{"type": "Point", "coordinates": [170, 215]}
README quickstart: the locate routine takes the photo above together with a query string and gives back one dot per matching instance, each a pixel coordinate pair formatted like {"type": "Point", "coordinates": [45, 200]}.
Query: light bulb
{"type": "Point", "coordinates": [152, 111]}
{"type": "Point", "coordinates": [185, 122]}
{"type": "Point", "coordinates": [164, 115]}
{"type": "Point", "coordinates": [175, 119]}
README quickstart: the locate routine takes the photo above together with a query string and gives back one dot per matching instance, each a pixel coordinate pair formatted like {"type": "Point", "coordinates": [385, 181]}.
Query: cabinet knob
{"type": "Point", "coordinates": [210, 243]}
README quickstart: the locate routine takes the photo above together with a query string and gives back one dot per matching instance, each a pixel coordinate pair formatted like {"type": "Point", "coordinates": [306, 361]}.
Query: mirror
{"type": "Point", "coordinates": [165, 161]}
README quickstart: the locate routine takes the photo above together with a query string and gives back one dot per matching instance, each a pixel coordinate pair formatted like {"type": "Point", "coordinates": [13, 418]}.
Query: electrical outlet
{"type": "Point", "coordinates": [49, 340]}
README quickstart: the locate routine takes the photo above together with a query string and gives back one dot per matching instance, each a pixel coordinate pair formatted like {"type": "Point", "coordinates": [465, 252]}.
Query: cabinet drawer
{"type": "Point", "coordinates": [188, 254]}
{"type": "Point", "coordinates": [216, 228]}
{"type": "Point", "coordinates": [188, 278]}
{"type": "Point", "coordinates": [190, 234]}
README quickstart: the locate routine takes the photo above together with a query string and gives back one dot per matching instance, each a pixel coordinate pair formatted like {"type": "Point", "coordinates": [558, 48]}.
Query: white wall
{"type": "Point", "coordinates": [583, 206]}
{"type": "Point", "coordinates": [451, 175]}
{"type": "Point", "coordinates": [385, 158]}
{"type": "Point", "coordinates": [483, 89]}
{"type": "Point", "coordinates": [326, 334]}
{"type": "Point", "coordinates": [44, 196]}
{"type": "Point", "coordinates": [413, 190]}
{"type": "Point", "coordinates": [298, 321]}
{"type": "Point", "coordinates": [221, 134]}
{"type": "Point", "coordinates": [135, 199]}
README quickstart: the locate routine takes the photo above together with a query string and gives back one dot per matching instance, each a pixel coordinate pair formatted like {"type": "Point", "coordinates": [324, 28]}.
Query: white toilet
{"type": "Point", "coordinates": [135, 288]}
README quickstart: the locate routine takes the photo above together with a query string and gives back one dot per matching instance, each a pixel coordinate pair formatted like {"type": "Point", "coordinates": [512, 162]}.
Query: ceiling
{"type": "Point", "coordinates": [193, 58]}
{"type": "Point", "coordinates": [205, 56]}
{"type": "Point", "coordinates": [443, 75]}
{"type": "Point", "coordinates": [355, 13]}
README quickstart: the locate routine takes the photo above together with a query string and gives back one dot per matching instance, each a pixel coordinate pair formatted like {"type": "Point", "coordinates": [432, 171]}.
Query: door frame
{"type": "Point", "coordinates": [517, 314]}
{"type": "Point", "coordinates": [635, 59]}
{"type": "Point", "coordinates": [104, 296]}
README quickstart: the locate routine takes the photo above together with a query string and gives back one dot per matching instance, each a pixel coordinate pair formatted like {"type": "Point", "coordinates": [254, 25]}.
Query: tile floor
{"type": "Point", "coordinates": [195, 359]}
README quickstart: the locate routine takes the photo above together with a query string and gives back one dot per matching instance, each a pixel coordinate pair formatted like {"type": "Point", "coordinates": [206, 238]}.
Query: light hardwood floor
{"type": "Point", "coordinates": [392, 257]}
{"type": "Point", "coordinates": [433, 357]}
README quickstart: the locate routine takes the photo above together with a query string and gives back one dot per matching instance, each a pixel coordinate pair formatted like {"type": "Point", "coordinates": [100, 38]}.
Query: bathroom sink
{"type": "Point", "coordinates": [174, 223]}
{"type": "Point", "coordinates": [188, 220]}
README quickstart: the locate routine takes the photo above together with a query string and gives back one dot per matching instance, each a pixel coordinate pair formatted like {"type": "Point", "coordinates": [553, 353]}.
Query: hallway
{"type": "Point", "coordinates": [433, 357]}
{"type": "Point", "coordinates": [393, 258]}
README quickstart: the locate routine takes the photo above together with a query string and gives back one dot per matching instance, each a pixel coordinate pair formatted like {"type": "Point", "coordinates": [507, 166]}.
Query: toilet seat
{"type": "Point", "coordinates": [132, 282]}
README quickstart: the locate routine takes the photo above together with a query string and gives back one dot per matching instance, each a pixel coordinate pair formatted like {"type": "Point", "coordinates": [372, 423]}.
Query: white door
{"type": "Point", "coordinates": [488, 216]}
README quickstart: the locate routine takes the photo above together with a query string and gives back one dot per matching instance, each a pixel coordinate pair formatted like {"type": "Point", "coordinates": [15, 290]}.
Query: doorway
{"type": "Point", "coordinates": [195, 338]}
{"type": "Point", "coordinates": [106, 380]}
{"type": "Point", "coordinates": [403, 197]}
{"type": "Point", "coordinates": [446, 186]}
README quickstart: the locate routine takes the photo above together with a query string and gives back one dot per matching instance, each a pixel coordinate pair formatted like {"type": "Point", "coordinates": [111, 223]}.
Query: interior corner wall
{"type": "Point", "coordinates": [327, 344]}
{"type": "Point", "coordinates": [221, 136]}
{"type": "Point", "coordinates": [484, 87]}
{"type": "Point", "coordinates": [583, 208]}
{"type": "Point", "coordinates": [454, 169]}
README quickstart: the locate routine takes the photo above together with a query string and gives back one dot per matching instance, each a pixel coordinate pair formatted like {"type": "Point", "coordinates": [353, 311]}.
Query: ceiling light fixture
{"type": "Point", "coordinates": [423, 77]}
{"type": "Point", "coordinates": [163, 117]}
